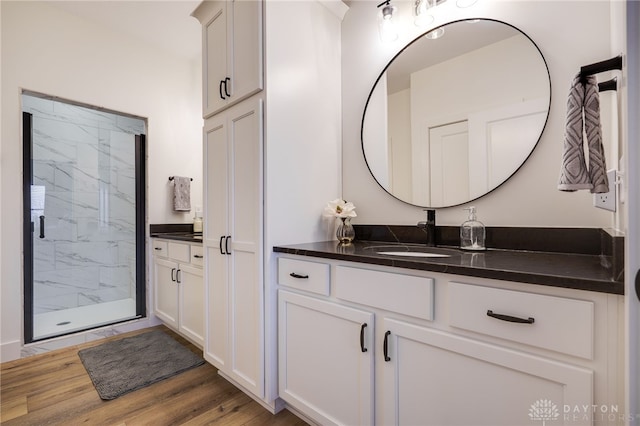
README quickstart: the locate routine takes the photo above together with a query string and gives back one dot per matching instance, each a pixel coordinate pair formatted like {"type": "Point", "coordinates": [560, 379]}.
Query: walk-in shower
{"type": "Point", "coordinates": [84, 182]}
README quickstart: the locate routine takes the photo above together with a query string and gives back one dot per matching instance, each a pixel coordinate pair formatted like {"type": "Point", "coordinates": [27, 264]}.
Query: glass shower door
{"type": "Point", "coordinates": [83, 195]}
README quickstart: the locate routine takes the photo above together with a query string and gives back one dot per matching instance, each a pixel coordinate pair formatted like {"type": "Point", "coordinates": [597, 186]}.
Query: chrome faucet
{"type": "Point", "coordinates": [430, 227]}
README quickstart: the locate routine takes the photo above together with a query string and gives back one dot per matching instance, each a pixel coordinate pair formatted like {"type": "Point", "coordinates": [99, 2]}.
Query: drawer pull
{"type": "Point", "coordinates": [294, 275]}
{"type": "Point", "coordinates": [198, 256]}
{"type": "Point", "coordinates": [157, 248]}
{"type": "Point", "coordinates": [362, 327]}
{"type": "Point", "coordinates": [509, 318]}
{"type": "Point", "coordinates": [385, 346]}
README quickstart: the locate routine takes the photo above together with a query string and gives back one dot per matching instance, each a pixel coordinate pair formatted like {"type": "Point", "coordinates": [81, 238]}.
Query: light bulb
{"type": "Point", "coordinates": [423, 17]}
{"type": "Point", "coordinates": [386, 24]}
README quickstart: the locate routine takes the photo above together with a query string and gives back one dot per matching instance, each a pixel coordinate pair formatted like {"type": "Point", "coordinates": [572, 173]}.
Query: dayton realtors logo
{"type": "Point", "coordinates": [543, 410]}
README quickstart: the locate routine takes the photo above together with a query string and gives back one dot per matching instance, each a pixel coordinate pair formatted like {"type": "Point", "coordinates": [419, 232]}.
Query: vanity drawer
{"type": "Point", "coordinates": [303, 275]}
{"type": "Point", "coordinates": [179, 252]}
{"type": "Point", "coordinates": [160, 248]}
{"type": "Point", "coordinates": [556, 323]}
{"type": "Point", "coordinates": [197, 255]}
{"type": "Point", "coordinates": [404, 294]}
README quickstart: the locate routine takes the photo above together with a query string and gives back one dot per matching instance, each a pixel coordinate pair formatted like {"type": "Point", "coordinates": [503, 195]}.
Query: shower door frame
{"type": "Point", "coordinates": [28, 230]}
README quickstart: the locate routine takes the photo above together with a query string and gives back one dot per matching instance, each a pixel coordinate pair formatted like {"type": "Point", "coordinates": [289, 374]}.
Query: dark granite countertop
{"type": "Point", "coordinates": [192, 237]}
{"type": "Point", "coordinates": [569, 270]}
{"type": "Point", "coordinates": [179, 231]}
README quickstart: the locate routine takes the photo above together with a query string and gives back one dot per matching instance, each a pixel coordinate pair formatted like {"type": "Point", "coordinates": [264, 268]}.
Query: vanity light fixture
{"type": "Point", "coordinates": [422, 11]}
{"type": "Point", "coordinates": [386, 24]}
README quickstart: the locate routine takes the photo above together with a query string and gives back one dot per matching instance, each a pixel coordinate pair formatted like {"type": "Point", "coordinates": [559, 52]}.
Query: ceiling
{"type": "Point", "coordinates": [167, 24]}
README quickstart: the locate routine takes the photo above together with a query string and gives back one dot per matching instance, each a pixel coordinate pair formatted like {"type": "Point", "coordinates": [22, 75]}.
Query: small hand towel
{"type": "Point", "coordinates": [593, 130]}
{"type": "Point", "coordinates": [181, 194]}
{"type": "Point", "coordinates": [574, 175]}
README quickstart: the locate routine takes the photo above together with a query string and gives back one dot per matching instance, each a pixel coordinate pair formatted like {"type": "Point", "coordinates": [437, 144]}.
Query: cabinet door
{"type": "Point", "coordinates": [216, 201]}
{"type": "Point", "coordinates": [214, 40]}
{"type": "Point", "coordinates": [323, 371]}
{"type": "Point", "coordinates": [433, 378]}
{"type": "Point", "coordinates": [166, 291]}
{"type": "Point", "coordinates": [232, 52]}
{"type": "Point", "coordinates": [191, 287]}
{"type": "Point", "coordinates": [233, 240]}
{"type": "Point", "coordinates": [246, 60]}
{"type": "Point", "coordinates": [245, 292]}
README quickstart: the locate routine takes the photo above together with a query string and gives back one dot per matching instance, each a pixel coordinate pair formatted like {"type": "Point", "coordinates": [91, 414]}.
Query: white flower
{"type": "Point", "coordinates": [340, 208]}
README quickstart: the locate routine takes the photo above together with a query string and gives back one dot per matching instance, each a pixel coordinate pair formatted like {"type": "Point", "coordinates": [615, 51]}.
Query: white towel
{"type": "Point", "coordinates": [583, 119]}
{"type": "Point", "coordinates": [181, 194]}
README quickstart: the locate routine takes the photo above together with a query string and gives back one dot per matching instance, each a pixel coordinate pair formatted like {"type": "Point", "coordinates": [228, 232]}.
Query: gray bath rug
{"type": "Point", "coordinates": [121, 366]}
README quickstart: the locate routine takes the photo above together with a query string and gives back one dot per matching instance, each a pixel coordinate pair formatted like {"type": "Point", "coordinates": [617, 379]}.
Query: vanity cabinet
{"type": "Point", "coordinates": [326, 359]}
{"type": "Point", "coordinates": [232, 52]}
{"type": "Point", "coordinates": [441, 349]}
{"type": "Point", "coordinates": [233, 243]}
{"type": "Point", "coordinates": [179, 288]}
{"type": "Point", "coordinates": [433, 377]}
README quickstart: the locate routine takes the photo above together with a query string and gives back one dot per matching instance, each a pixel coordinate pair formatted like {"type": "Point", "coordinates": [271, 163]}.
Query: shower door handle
{"type": "Point", "coordinates": [41, 226]}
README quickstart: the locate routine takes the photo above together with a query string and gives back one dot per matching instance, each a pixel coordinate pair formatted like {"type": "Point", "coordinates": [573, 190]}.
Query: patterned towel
{"type": "Point", "coordinates": [583, 100]}
{"type": "Point", "coordinates": [181, 194]}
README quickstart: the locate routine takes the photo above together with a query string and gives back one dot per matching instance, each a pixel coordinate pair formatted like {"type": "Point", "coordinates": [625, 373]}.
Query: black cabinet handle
{"type": "Point", "coordinates": [226, 244]}
{"type": "Point", "coordinates": [362, 327]}
{"type": "Point", "coordinates": [294, 275]}
{"type": "Point", "coordinates": [173, 274]}
{"type": "Point", "coordinates": [221, 238]}
{"type": "Point", "coordinates": [226, 86]}
{"type": "Point", "coordinates": [178, 276]}
{"type": "Point", "coordinates": [41, 226]}
{"type": "Point", "coordinates": [385, 346]}
{"type": "Point", "coordinates": [509, 318]}
{"type": "Point", "coordinates": [638, 284]}
{"type": "Point", "coordinates": [157, 248]}
{"type": "Point", "coordinates": [220, 89]}
{"type": "Point", "coordinates": [198, 256]}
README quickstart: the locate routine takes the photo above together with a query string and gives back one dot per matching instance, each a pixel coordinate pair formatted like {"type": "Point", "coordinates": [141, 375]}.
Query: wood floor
{"type": "Point", "coordinates": [54, 389]}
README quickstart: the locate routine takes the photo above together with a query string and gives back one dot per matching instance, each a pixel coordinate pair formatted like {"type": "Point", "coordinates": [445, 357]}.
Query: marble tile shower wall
{"type": "Point", "coordinates": [85, 160]}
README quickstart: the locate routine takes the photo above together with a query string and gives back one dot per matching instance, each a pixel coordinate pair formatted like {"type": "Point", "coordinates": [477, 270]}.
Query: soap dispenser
{"type": "Point", "coordinates": [197, 220]}
{"type": "Point", "coordinates": [472, 232]}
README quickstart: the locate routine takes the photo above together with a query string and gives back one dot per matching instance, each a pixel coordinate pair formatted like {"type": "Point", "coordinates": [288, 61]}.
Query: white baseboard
{"type": "Point", "coordinates": [10, 350]}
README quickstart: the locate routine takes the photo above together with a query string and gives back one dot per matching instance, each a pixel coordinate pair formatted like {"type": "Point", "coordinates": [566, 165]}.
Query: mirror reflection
{"type": "Point", "coordinates": [451, 119]}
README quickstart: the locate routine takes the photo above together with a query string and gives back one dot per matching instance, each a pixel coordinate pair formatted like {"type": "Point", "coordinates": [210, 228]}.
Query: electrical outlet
{"type": "Point", "coordinates": [607, 200]}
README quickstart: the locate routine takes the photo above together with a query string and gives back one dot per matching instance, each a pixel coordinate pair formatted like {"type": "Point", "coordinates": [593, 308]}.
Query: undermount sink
{"type": "Point", "coordinates": [413, 251]}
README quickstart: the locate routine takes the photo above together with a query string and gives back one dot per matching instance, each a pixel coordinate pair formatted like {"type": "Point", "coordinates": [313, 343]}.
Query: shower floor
{"type": "Point", "coordinates": [56, 323]}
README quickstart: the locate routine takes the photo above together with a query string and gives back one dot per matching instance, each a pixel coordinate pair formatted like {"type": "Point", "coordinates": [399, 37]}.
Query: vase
{"type": "Point", "coordinates": [345, 232]}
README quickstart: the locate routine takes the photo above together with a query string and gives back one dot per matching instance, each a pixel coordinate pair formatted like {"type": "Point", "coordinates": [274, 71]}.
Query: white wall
{"type": "Point", "coordinates": [569, 34]}
{"type": "Point", "coordinates": [50, 51]}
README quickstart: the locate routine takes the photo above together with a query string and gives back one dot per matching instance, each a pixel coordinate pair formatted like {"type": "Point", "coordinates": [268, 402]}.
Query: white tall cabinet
{"type": "Point", "coordinates": [271, 163]}
{"type": "Point", "coordinates": [233, 241]}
